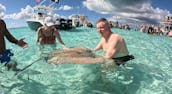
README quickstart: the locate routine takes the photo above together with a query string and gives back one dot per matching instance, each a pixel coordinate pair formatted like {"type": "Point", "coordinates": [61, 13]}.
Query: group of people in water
{"type": "Point", "coordinates": [164, 30]}
{"type": "Point", "coordinates": [157, 30]}
{"type": "Point", "coordinates": [113, 44]}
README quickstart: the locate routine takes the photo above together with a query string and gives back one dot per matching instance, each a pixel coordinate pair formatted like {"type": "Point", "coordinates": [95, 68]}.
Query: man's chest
{"type": "Point", "coordinates": [105, 46]}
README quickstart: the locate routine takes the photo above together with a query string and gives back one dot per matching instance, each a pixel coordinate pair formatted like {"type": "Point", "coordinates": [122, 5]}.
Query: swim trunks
{"type": "Point", "coordinates": [5, 56]}
{"type": "Point", "coordinates": [121, 60]}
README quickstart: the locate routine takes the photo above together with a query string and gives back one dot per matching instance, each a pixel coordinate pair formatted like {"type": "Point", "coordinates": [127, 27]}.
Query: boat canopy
{"type": "Point", "coordinates": [41, 6]}
{"type": "Point", "coordinates": [38, 7]}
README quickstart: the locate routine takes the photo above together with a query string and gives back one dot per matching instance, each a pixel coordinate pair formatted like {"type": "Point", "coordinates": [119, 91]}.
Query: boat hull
{"type": "Point", "coordinates": [64, 24]}
{"type": "Point", "coordinates": [33, 25]}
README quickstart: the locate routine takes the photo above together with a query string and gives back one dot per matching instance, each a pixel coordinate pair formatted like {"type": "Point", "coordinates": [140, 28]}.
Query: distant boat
{"type": "Point", "coordinates": [64, 24]}
{"type": "Point", "coordinates": [167, 20]}
{"type": "Point", "coordinates": [75, 19]}
{"type": "Point", "coordinates": [44, 11]}
{"type": "Point", "coordinates": [80, 20]}
{"type": "Point", "coordinates": [166, 25]}
{"type": "Point", "coordinates": [34, 25]}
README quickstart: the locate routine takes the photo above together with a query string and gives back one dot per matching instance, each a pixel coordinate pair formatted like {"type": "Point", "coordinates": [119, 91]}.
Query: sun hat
{"type": "Point", "coordinates": [49, 21]}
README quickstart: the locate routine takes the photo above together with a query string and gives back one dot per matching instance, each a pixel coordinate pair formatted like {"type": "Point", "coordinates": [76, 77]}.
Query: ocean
{"type": "Point", "coordinates": [149, 73]}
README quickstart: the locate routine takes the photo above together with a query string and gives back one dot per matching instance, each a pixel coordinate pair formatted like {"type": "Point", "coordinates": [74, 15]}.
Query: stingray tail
{"type": "Point", "coordinates": [23, 69]}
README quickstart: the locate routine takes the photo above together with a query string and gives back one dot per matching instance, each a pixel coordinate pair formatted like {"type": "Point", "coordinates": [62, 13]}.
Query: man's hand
{"type": "Point", "coordinates": [21, 43]}
{"type": "Point", "coordinates": [93, 49]}
{"type": "Point", "coordinates": [65, 48]}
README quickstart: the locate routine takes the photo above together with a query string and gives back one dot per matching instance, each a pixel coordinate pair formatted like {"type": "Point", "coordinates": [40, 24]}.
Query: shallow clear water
{"type": "Point", "coordinates": [149, 73]}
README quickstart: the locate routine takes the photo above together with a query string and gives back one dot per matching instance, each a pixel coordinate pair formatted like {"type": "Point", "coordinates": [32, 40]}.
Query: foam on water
{"type": "Point", "coordinates": [149, 73]}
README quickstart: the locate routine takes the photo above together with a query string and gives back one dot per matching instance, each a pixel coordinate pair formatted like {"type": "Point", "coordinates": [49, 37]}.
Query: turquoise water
{"type": "Point", "coordinates": [149, 73]}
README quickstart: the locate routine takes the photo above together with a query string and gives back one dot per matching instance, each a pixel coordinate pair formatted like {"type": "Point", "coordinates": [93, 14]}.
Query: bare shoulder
{"type": "Point", "coordinates": [116, 36]}
{"type": "Point", "coordinates": [3, 26]}
{"type": "Point", "coordinates": [2, 23]}
{"type": "Point", "coordinates": [40, 28]}
{"type": "Point", "coordinates": [102, 40]}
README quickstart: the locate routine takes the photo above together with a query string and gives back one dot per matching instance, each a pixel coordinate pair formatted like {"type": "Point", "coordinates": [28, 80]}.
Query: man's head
{"type": "Point", "coordinates": [49, 21]}
{"type": "Point", "coordinates": [103, 26]}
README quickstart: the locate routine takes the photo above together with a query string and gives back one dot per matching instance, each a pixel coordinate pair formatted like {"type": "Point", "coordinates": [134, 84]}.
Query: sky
{"type": "Point", "coordinates": [16, 12]}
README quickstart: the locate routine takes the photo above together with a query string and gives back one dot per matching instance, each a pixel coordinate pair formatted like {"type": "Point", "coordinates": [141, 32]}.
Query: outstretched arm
{"type": "Point", "coordinates": [19, 42]}
{"type": "Point", "coordinates": [6, 32]}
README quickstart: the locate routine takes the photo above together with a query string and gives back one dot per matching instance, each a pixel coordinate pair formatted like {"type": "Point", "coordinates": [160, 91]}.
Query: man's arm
{"type": "Point", "coordinates": [19, 42]}
{"type": "Point", "coordinates": [6, 32]}
{"type": "Point", "coordinates": [112, 49]}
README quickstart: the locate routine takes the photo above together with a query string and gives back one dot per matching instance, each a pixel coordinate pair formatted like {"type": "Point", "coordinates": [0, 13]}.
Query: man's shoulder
{"type": "Point", "coordinates": [2, 25]}
{"type": "Point", "coordinates": [2, 22]}
{"type": "Point", "coordinates": [116, 35]}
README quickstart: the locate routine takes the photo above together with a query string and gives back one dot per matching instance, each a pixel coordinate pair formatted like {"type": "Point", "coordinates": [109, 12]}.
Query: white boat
{"type": "Point", "coordinates": [166, 25]}
{"type": "Point", "coordinates": [167, 20]}
{"type": "Point", "coordinates": [80, 20]}
{"type": "Point", "coordinates": [75, 19]}
{"type": "Point", "coordinates": [43, 11]}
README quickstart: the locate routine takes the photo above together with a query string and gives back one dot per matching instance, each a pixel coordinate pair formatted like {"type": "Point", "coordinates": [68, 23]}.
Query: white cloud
{"type": "Point", "coordinates": [65, 7]}
{"type": "Point", "coordinates": [131, 10]}
{"type": "Point", "coordinates": [99, 6]}
{"type": "Point", "coordinates": [25, 13]}
{"type": "Point", "coordinates": [2, 10]}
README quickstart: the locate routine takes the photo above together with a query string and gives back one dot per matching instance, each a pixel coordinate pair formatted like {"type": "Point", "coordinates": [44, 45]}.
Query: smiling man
{"type": "Point", "coordinates": [113, 44]}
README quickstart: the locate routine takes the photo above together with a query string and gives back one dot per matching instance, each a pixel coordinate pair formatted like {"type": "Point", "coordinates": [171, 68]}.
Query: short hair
{"type": "Point", "coordinates": [102, 20]}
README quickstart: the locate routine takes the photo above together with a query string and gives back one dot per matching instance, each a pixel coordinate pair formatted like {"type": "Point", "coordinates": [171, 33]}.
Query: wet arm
{"type": "Point", "coordinates": [112, 50]}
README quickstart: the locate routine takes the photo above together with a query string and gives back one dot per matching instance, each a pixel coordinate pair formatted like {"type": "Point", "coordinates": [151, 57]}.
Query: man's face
{"type": "Point", "coordinates": [102, 28]}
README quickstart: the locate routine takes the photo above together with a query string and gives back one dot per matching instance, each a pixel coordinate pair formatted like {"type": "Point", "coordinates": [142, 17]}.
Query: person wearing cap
{"type": "Point", "coordinates": [47, 34]}
{"type": "Point", "coordinates": [5, 54]}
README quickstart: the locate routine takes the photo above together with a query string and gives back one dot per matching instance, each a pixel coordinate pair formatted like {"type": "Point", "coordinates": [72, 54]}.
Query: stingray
{"type": "Point", "coordinates": [80, 55]}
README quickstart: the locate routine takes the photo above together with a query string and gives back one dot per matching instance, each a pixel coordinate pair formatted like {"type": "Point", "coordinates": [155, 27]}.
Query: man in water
{"type": "Point", "coordinates": [113, 44]}
{"type": "Point", "coordinates": [47, 34]}
{"type": "Point", "coordinates": [4, 53]}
